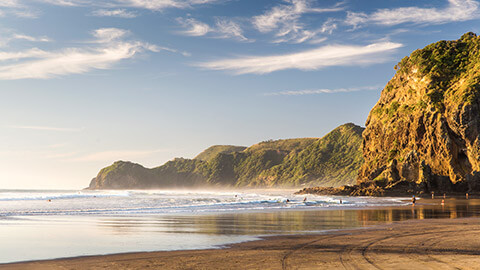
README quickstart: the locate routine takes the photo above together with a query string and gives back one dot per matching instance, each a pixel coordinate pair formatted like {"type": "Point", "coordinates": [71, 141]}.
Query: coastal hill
{"type": "Point", "coordinates": [333, 160]}
{"type": "Point", "coordinates": [423, 135]}
{"type": "Point", "coordinates": [209, 153]}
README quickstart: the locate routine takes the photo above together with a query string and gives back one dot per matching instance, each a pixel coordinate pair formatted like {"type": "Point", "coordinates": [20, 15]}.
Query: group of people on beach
{"type": "Point", "coordinates": [414, 199]}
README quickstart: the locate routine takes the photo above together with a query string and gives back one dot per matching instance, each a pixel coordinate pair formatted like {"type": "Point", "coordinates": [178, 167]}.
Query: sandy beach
{"type": "Point", "coordinates": [413, 244]}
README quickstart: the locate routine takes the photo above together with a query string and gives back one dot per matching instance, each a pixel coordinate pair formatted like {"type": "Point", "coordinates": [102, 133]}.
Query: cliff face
{"type": "Point", "coordinates": [333, 160]}
{"type": "Point", "coordinates": [425, 127]}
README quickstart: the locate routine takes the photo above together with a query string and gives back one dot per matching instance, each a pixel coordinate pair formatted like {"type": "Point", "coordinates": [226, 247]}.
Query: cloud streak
{"type": "Point", "coordinates": [284, 20]}
{"type": "Point", "coordinates": [322, 91]}
{"type": "Point", "coordinates": [456, 10]}
{"type": "Point", "coordinates": [30, 38]}
{"type": "Point", "coordinates": [223, 28]}
{"type": "Point", "coordinates": [10, 3]}
{"type": "Point", "coordinates": [110, 49]}
{"type": "Point", "coordinates": [155, 5]}
{"type": "Point", "coordinates": [119, 13]}
{"type": "Point", "coordinates": [194, 27]}
{"type": "Point", "coordinates": [7, 37]}
{"type": "Point", "coordinates": [16, 8]}
{"type": "Point", "coordinates": [326, 56]}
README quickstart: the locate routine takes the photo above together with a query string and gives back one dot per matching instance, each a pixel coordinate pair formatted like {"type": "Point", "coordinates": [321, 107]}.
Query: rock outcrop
{"type": "Point", "coordinates": [424, 131]}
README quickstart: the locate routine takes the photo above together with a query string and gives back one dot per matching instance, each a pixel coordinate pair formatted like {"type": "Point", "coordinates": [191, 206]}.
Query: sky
{"type": "Point", "coordinates": [84, 83]}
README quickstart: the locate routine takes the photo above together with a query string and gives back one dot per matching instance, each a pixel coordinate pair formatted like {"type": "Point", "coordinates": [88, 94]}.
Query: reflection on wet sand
{"type": "Point", "coordinates": [290, 222]}
{"type": "Point", "coordinates": [453, 208]}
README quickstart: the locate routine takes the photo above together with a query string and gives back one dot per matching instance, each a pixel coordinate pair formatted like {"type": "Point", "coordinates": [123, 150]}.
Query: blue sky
{"type": "Point", "coordinates": [86, 82]}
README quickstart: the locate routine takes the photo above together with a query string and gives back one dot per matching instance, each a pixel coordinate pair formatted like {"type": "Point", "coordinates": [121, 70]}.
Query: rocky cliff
{"type": "Point", "coordinates": [423, 133]}
{"type": "Point", "coordinates": [333, 160]}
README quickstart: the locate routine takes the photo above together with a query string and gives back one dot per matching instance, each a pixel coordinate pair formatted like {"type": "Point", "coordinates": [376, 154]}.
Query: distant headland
{"type": "Point", "coordinates": [333, 160]}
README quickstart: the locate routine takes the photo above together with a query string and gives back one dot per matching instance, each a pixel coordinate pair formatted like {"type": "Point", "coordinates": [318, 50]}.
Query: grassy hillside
{"type": "Point", "coordinates": [333, 160]}
{"type": "Point", "coordinates": [282, 145]}
{"type": "Point", "coordinates": [209, 153]}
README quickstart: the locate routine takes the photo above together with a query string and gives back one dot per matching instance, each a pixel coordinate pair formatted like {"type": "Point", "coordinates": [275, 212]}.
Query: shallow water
{"type": "Point", "coordinates": [77, 224]}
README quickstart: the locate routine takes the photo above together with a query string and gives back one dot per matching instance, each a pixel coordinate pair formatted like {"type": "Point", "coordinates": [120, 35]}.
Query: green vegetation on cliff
{"type": "Point", "coordinates": [333, 160]}
{"type": "Point", "coordinates": [209, 153]}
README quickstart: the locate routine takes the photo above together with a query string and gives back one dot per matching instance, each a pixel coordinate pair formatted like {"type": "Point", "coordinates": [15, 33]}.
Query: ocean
{"type": "Point", "coordinates": [47, 224]}
{"type": "Point", "coordinates": [27, 203]}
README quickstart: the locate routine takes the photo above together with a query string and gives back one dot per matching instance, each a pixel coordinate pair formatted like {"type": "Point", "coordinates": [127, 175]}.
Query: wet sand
{"type": "Point", "coordinates": [411, 244]}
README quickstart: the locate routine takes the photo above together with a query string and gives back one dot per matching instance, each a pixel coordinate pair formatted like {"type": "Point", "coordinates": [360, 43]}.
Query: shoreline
{"type": "Point", "coordinates": [435, 243]}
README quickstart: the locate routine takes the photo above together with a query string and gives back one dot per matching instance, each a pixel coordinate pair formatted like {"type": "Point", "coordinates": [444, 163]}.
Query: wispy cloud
{"type": "Point", "coordinates": [16, 8]}
{"type": "Point", "coordinates": [184, 53]}
{"type": "Point", "coordinates": [332, 55]}
{"type": "Point", "coordinates": [9, 35]}
{"type": "Point", "coordinates": [456, 10]}
{"type": "Point", "coordinates": [68, 3]}
{"type": "Point", "coordinates": [120, 13]}
{"type": "Point", "coordinates": [10, 3]}
{"type": "Point", "coordinates": [284, 19]}
{"type": "Point", "coordinates": [194, 27]}
{"type": "Point", "coordinates": [30, 38]}
{"type": "Point", "coordinates": [290, 11]}
{"type": "Point", "coordinates": [31, 53]}
{"type": "Point", "coordinates": [111, 47]}
{"type": "Point", "coordinates": [108, 156]}
{"type": "Point", "coordinates": [47, 128]}
{"type": "Point", "coordinates": [322, 91]}
{"type": "Point", "coordinates": [156, 4]}
{"type": "Point", "coordinates": [140, 4]}
{"type": "Point", "coordinates": [229, 29]}
{"type": "Point", "coordinates": [223, 28]}
{"type": "Point", "coordinates": [107, 35]}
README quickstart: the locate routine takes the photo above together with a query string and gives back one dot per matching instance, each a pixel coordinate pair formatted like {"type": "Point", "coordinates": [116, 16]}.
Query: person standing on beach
{"type": "Point", "coordinates": [413, 200]}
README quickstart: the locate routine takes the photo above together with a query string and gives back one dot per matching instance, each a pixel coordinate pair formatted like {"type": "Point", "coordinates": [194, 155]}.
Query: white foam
{"type": "Point", "coordinates": [134, 202]}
